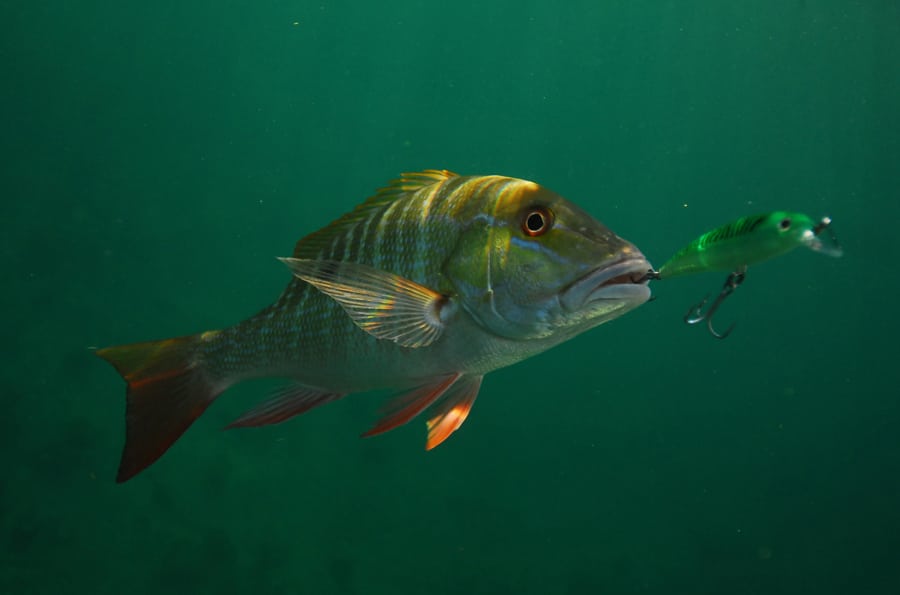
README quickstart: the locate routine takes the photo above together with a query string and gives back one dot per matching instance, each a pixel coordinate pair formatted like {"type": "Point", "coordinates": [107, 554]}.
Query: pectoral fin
{"type": "Point", "coordinates": [385, 305]}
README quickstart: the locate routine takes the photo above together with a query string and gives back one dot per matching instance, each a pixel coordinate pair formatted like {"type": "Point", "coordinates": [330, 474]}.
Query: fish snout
{"type": "Point", "coordinates": [625, 280]}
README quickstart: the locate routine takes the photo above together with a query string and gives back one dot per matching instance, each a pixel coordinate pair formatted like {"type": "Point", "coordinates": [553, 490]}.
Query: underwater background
{"type": "Point", "coordinates": [158, 156]}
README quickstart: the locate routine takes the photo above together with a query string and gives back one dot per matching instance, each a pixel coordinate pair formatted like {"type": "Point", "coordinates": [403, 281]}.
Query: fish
{"type": "Point", "coordinates": [431, 283]}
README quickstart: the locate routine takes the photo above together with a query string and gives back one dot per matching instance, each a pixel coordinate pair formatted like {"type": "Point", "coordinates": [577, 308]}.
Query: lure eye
{"type": "Point", "coordinates": [536, 222]}
{"type": "Point", "coordinates": [784, 224]}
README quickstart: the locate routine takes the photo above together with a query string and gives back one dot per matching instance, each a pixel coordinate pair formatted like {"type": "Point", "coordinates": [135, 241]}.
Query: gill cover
{"type": "Point", "coordinates": [519, 256]}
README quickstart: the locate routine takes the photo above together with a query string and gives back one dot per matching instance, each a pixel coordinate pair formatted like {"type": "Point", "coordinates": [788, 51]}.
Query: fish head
{"type": "Point", "coordinates": [533, 265]}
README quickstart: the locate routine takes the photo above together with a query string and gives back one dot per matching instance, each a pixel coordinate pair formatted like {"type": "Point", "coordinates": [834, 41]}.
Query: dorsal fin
{"type": "Point", "coordinates": [311, 245]}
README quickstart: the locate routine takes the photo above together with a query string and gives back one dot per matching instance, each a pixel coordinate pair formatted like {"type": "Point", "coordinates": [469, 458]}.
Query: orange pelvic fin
{"type": "Point", "coordinates": [452, 411]}
{"type": "Point", "coordinates": [284, 404]}
{"type": "Point", "coordinates": [167, 391]}
{"type": "Point", "coordinates": [407, 406]}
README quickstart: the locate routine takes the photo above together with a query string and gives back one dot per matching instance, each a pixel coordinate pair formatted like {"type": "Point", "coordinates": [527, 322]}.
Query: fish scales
{"type": "Point", "coordinates": [407, 245]}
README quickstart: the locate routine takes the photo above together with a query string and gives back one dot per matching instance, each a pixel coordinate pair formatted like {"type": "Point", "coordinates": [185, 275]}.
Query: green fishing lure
{"type": "Point", "coordinates": [737, 245]}
{"type": "Point", "coordinates": [750, 240]}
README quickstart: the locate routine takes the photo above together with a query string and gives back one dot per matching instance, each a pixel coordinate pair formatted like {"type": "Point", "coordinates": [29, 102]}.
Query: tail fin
{"type": "Point", "coordinates": [167, 390]}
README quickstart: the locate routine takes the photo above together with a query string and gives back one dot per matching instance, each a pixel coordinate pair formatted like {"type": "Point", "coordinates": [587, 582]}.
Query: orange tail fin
{"type": "Point", "coordinates": [167, 390]}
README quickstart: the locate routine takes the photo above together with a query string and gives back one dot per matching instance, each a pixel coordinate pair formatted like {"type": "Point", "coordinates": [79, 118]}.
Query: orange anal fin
{"type": "Point", "coordinates": [285, 404]}
{"type": "Point", "coordinates": [166, 392]}
{"type": "Point", "coordinates": [409, 405]}
{"type": "Point", "coordinates": [452, 410]}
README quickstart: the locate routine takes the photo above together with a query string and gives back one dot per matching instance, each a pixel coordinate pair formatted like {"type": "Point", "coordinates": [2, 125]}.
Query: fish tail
{"type": "Point", "coordinates": [168, 388]}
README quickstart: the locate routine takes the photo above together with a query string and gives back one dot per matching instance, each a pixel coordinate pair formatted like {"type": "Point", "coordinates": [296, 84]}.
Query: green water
{"type": "Point", "coordinates": [158, 156]}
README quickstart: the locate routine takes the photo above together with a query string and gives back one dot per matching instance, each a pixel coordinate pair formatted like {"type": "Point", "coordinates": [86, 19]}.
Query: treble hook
{"type": "Point", "coordinates": [694, 315]}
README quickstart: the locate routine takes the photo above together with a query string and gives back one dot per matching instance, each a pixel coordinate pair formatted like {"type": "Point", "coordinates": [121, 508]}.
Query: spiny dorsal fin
{"type": "Point", "coordinates": [309, 246]}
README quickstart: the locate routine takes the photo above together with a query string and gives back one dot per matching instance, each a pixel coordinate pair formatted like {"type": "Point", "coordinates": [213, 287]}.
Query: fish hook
{"type": "Point", "coordinates": [695, 314]}
{"type": "Point", "coordinates": [651, 275]}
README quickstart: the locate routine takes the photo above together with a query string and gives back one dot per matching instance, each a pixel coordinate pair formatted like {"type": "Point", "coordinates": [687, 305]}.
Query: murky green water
{"type": "Point", "coordinates": [156, 157]}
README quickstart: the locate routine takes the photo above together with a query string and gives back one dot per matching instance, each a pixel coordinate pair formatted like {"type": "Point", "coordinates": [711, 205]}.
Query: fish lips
{"type": "Point", "coordinates": [622, 281]}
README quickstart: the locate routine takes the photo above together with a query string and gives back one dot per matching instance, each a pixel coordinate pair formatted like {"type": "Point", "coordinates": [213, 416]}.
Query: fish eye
{"type": "Point", "coordinates": [536, 221]}
{"type": "Point", "coordinates": [784, 224]}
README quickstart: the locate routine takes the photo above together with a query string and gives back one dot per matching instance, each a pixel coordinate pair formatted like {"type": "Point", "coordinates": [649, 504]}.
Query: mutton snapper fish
{"type": "Point", "coordinates": [424, 288]}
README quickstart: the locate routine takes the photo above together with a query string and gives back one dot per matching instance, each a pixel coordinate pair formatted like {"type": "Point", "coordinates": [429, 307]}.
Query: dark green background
{"type": "Point", "coordinates": [157, 156]}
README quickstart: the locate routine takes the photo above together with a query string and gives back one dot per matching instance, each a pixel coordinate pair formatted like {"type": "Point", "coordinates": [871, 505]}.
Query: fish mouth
{"type": "Point", "coordinates": [625, 280]}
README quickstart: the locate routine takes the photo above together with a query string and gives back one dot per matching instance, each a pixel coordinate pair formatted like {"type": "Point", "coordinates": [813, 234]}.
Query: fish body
{"type": "Point", "coordinates": [425, 287]}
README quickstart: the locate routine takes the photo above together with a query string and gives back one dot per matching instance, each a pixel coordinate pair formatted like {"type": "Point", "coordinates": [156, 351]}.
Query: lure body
{"type": "Point", "coordinates": [746, 241]}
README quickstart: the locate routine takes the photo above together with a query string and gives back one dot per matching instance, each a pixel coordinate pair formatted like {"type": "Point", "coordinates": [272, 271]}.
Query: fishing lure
{"type": "Point", "coordinates": [735, 246]}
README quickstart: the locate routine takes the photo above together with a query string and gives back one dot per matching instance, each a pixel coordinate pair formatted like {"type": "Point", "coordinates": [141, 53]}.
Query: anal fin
{"type": "Point", "coordinates": [286, 403]}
